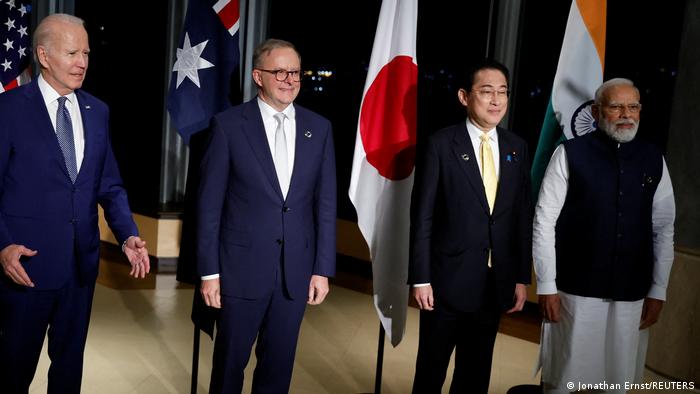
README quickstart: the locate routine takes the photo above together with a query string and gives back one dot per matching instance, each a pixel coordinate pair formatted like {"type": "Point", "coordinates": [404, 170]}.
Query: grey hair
{"type": "Point", "coordinates": [266, 47]}
{"type": "Point", "coordinates": [43, 32]}
{"type": "Point", "coordinates": [610, 83]}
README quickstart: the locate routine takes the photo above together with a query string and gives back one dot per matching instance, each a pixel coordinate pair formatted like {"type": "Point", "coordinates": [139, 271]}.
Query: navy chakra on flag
{"type": "Point", "coordinates": [582, 121]}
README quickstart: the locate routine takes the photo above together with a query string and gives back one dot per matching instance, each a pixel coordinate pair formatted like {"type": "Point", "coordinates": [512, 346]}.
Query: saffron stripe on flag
{"type": "Point", "coordinates": [579, 73]}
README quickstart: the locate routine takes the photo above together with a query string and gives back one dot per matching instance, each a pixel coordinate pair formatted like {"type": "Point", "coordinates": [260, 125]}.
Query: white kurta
{"type": "Point", "coordinates": [596, 340]}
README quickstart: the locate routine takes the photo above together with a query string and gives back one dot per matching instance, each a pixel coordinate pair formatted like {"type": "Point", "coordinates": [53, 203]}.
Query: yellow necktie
{"type": "Point", "coordinates": [488, 174]}
{"type": "Point", "coordinates": [488, 171]}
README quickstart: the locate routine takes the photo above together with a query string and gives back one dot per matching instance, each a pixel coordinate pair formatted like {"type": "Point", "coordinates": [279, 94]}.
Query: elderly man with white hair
{"type": "Point", "coordinates": [602, 248]}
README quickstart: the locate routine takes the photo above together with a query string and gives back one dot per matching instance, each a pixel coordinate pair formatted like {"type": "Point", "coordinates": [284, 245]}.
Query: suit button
{"type": "Point", "coordinates": [279, 241]}
{"type": "Point", "coordinates": [286, 209]}
{"type": "Point", "coordinates": [492, 221]}
{"type": "Point", "coordinates": [74, 221]}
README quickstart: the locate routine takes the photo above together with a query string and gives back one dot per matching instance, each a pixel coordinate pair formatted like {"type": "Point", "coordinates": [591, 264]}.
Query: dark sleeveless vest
{"type": "Point", "coordinates": [604, 232]}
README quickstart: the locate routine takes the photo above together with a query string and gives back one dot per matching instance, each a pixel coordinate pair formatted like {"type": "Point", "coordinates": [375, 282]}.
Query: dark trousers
{"type": "Point", "coordinates": [275, 321]}
{"type": "Point", "coordinates": [25, 316]}
{"type": "Point", "coordinates": [472, 334]}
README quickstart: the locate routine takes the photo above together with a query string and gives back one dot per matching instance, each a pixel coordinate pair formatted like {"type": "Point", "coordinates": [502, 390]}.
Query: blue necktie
{"type": "Point", "coordinates": [64, 133]}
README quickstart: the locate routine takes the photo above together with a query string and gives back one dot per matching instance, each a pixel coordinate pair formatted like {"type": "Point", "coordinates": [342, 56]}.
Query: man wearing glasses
{"type": "Point", "coordinates": [603, 249]}
{"type": "Point", "coordinates": [471, 227]}
{"type": "Point", "coordinates": [266, 223]}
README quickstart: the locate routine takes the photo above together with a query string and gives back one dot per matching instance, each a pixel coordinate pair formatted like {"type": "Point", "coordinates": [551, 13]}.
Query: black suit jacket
{"type": "Point", "coordinates": [452, 229]}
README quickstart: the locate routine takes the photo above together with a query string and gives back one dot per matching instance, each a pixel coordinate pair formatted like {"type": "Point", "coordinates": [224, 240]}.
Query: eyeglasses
{"type": "Point", "coordinates": [282, 75]}
{"type": "Point", "coordinates": [617, 108]}
{"type": "Point", "coordinates": [486, 94]}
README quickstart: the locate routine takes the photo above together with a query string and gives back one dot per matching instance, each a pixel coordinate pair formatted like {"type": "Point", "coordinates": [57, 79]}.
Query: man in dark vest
{"type": "Point", "coordinates": [603, 248]}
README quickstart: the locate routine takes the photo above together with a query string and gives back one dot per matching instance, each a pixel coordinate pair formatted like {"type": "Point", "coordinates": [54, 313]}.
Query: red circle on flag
{"type": "Point", "coordinates": [388, 119]}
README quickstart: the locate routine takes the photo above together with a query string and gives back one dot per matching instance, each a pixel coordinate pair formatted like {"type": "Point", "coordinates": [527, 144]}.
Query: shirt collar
{"type": "Point", "coordinates": [268, 112]}
{"type": "Point", "coordinates": [475, 132]}
{"type": "Point", "coordinates": [50, 94]}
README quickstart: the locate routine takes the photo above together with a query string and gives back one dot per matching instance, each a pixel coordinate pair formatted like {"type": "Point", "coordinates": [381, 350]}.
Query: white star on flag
{"type": "Point", "coordinates": [9, 45]}
{"type": "Point", "coordinates": [189, 60]}
{"type": "Point", "coordinates": [22, 10]}
{"type": "Point", "coordinates": [11, 4]}
{"type": "Point", "coordinates": [22, 52]}
{"type": "Point", "coordinates": [7, 65]}
{"type": "Point", "coordinates": [22, 31]}
{"type": "Point", "coordinates": [10, 24]}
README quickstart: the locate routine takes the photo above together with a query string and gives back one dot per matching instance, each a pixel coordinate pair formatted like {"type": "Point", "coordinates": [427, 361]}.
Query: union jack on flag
{"type": "Point", "coordinates": [15, 44]}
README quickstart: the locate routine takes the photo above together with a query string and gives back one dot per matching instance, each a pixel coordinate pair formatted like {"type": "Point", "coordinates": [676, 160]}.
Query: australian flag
{"type": "Point", "coordinates": [15, 44]}
{"type": "Point", "coordinates": [206, 59]}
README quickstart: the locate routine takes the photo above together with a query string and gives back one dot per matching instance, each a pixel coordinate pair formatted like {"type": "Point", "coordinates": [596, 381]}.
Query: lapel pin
{"type": "Point", "coordinates": [87, 107]}
{"type": "Point", "coordinates": [512, 156]}
{"type": "Point", "coordinates": [308, 134]}
{"type": "Point", "coordinates": [465, 157]}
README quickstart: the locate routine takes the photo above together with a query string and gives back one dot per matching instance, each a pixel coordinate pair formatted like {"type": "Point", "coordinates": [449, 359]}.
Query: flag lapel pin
{"type": "Point", "coordinates": [465, 157]}
{"type": "Point", "coordinates": [308, 134]}
{"type": "Point", "coordinates": [87, 107]}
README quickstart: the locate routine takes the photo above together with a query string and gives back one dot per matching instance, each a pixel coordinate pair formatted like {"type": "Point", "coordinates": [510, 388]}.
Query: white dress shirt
{"type": "Point", "coordinates": [475, 138]}
{"type": "Point", "coordinates": [51, 100]}
{"type": "Point", "coordinates": [551, 199]}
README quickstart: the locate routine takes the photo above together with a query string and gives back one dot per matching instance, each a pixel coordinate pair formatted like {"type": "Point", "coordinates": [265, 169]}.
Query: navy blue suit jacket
{"type": "Point", "coordinates": [244, 223]}
{"type": "Point", "coordinates": [40, 207]}
{"type": "Point", "coordinates": [452, 229]}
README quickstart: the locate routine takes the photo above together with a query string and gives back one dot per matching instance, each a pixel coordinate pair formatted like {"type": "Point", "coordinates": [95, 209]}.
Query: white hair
{"type": "Point", "coordinates": [44, 32]}
{"type": "Point", "coordinates": [610, 83]}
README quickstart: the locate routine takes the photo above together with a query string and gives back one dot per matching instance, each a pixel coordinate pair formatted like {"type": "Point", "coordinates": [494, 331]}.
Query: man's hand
{"type": "Point", "coordinates": [318, 289]}
{"type": "Point", "coordinates": [550, 305]}
{"type": "Point", "coordinates": [650, 312]}
{"type": "Point", "coordinates": [136, 252]}
{"type": "Point", "coordinates": [211, 292]}
{"type": "Point", "coordinates": [424, 297]}
{"type": "Point", "coordinates": [9, 258]}
{"type": "Point", "coordinates": [518, 298]}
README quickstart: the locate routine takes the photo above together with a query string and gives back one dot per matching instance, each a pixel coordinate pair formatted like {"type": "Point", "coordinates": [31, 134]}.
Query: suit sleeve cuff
{"type": "Point", "coordinates": [210, 277]}
{"type": "Point", "coordinates": [420, 284]}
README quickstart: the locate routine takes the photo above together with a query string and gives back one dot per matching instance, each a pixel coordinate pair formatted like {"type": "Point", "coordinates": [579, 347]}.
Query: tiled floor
{"type": "Point", "coordinates": [140, 341]}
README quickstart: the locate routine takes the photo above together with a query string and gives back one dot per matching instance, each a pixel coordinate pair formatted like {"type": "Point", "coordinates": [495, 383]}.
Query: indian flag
{"type": "Point", "coordinates": [579, 73]}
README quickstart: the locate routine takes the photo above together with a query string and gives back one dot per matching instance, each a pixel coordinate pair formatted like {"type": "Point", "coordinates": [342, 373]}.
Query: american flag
{"type": "Point", "coordinates": [206, 59]}
{"type": "Point", "coordinates": [15, 44]}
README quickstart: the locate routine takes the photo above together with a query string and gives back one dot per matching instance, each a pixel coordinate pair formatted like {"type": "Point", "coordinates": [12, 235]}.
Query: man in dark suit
{"type": "Point", "coordinates": [266, 225]}
{"type": "Point", "coordinates": [470, 236]}
{"type": "Point", "coordinates": [56, 165]}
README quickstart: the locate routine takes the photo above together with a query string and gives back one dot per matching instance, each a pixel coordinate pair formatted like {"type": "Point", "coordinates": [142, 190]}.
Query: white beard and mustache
{"type": "Point", "coordinates": [613, 130]}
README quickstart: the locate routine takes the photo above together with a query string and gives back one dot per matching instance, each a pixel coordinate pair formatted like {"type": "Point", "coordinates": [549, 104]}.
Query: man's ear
{"type": "Point", "coordinates": [41, 56]}
{"type": "Point", "coordinates": [463, 97]}
{"type": "Point", "coordinates": [257, 77]}
{"type": "Point", "coordinates": [595, 111]}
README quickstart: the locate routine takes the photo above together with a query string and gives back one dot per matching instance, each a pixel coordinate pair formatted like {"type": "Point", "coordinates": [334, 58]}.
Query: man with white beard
{"type": "Point", "coordinates": [602, 249]}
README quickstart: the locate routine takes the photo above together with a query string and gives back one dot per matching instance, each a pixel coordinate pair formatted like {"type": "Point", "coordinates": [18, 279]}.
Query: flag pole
{"type": "Point", "coordinates": [380, 361]}
{"type": "Point", "coordinates": [195, 359]}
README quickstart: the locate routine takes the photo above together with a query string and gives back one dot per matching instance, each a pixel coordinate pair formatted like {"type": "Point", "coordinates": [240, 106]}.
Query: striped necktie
{"type": "Point", "coordinates": [64, 133]}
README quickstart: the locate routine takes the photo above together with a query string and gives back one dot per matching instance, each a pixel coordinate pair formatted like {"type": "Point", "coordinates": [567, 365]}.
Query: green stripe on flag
{"type": "Point", "coordinates": [550, 137]}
